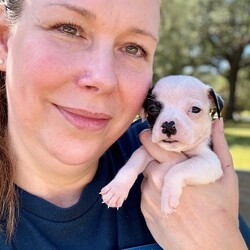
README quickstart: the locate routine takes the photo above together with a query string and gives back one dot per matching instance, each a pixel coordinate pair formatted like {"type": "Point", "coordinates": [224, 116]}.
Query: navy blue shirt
{"type": "Point", "coordinates": [88, 224]}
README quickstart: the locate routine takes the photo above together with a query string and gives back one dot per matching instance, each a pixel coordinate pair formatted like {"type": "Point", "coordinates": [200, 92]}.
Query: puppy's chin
{"type": "Point", "coordinates": [174, 146]}
{"type": "Point", "coordinates": [177, 143]}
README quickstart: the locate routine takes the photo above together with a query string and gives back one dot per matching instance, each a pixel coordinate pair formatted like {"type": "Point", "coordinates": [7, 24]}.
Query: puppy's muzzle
{"type": "Point", "coordinates": [169, 128]}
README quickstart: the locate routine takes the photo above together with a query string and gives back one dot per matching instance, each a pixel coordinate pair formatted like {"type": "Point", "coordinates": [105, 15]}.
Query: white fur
{"type": "Point", "coordinates": [196, 163]}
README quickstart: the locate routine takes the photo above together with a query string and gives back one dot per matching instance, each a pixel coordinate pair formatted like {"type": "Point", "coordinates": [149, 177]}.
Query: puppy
{"type": "Point", "coordinates": [179, 110]}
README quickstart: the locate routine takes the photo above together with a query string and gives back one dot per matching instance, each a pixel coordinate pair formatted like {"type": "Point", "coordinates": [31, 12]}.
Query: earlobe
{"type": "Point", "coordinates": [4, 36]}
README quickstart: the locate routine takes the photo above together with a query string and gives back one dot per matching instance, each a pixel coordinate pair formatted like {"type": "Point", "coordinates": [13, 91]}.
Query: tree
{"type": "Point", "coordinates": [226, 30]}
{"type": "Point", "coordinates": [176, 38]}
{"type": "Point", "coordinates": [212, 33]}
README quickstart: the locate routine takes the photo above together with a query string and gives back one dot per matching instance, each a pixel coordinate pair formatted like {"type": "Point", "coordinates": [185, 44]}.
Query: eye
{"type": "Point", "coordinates": [135, 50]}
{"type": "Point", "coordinates": [69, 29]}
{"type": "Point", "coordinates": [154, 108]}
{"type": "Point", "coordinates": [195, 110]}
{"type": "Point", "coordinates": [132, 49]}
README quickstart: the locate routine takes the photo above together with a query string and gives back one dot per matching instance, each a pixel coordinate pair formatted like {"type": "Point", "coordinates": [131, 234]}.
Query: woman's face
{"type": "Point", "coordinates": [77, 73]}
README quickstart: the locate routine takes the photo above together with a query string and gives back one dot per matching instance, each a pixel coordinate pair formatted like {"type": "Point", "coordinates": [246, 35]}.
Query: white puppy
{"type": "Point", "coordinates": [178, 110]}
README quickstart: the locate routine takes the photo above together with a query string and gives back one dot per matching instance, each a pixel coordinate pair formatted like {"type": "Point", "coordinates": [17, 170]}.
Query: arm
{"type": "Point", "coordinates": [207, 217]}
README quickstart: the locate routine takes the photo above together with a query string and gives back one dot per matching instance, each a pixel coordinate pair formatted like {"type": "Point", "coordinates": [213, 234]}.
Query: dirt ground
{"type": "Point", "coordinates": [244, 185]}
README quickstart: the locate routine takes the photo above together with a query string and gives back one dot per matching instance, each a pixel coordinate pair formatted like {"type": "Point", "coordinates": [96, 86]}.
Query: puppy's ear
{"type": "Point", "coordinates": [217, 103]}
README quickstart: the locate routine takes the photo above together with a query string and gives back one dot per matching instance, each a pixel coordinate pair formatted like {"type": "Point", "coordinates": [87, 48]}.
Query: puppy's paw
{"type": "Point", "coordinates": [170, 199]}
{"type": "Point", "coordinates": [114, 194]}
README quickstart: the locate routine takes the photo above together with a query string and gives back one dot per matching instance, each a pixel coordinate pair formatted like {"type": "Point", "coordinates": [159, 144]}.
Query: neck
{"type": "Point", "coordinates": [42, 174]}
{"type": "Point", "coordinates": [62, 189]}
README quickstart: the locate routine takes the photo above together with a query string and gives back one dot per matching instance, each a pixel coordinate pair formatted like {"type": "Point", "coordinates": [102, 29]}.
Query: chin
{"type": "Point", "coordinates": [74, 153]}
{"type": "Point", "coordinates": [173, 146]}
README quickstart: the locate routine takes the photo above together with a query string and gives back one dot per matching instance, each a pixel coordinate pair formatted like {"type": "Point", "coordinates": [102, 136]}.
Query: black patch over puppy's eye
{"type": "Point", "coordinates": [154, 108]}
{"type": "Point", "coordinates": [195, 110]}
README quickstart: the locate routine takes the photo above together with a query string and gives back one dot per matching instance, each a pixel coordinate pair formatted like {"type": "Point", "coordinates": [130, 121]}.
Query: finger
{"type": "Point", "coordinates": [145, 136]}
{"type": "Point", "coordinates": [154, 149]}
{"type": "Point", "coordinates": [220, 145]}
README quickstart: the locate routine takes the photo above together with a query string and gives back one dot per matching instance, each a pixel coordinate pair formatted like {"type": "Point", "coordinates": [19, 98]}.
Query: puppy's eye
{"type": "Point", "coordinates": [195, 110]}
{"type": "Point", "coordinates": [154, 108]}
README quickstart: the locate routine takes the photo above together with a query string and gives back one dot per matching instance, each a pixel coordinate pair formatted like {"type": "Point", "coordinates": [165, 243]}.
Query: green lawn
{"type": "Point", "coordinates": [238, 137]}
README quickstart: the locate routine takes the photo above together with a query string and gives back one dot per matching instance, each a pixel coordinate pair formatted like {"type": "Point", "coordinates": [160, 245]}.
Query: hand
{"type": "Point", "coordinates": [158, 153]}
{"type": "Point", "coordinates": [207, 216]}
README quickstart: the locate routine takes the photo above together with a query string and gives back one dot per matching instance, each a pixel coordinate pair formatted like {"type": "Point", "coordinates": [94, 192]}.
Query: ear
{"type": "Point", "coordinates": [4, 36]}
{"type": "Point", "coordinates": [217, 103]}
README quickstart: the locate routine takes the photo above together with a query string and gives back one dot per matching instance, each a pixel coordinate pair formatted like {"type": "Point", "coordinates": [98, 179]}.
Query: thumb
{"type": "Point", "coordinates": [154, 149]}
{"type": "Point", "coordinates": [230, 178]}
{"type": "Point", "coordinates": [220, 145]}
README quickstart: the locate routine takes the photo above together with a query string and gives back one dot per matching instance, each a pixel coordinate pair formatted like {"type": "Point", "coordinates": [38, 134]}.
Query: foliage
{"type": "Point", "coordinates": [200, 37]}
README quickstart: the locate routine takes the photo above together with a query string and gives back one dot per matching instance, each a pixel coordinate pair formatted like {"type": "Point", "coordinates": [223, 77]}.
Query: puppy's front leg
{"type": "Point", "coordinates": [200, 169]}
{"type": "Point", "coordinates": [117, 190]}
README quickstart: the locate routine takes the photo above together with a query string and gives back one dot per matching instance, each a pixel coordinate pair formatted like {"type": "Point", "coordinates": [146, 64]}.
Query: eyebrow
{"type": "Point", "coordinates": [91, 16]}
{"type": "Point", "coordinates": [81, 11]}
{"type": "Point", "coordinates": [139, 31]}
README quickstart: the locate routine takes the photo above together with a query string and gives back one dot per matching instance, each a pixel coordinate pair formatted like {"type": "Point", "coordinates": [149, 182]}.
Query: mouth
{"type": "Point", "coordinates": [169, 141]}
{"type": "Point", "coordinates": [83, 119]}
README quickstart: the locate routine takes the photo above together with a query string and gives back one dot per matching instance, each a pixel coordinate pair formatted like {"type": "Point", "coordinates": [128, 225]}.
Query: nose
{"type": "Point", "coordinates": [169, 128]}
{"type": "Point", "coordinates": [98, 71]}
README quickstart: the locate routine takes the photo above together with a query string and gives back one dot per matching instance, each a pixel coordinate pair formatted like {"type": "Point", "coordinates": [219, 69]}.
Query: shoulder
{"type": "Point", "coordinates": [129, 141]}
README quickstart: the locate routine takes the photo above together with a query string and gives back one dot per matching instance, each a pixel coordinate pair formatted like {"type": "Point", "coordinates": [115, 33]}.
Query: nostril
{"type": "Point", "coordinates": [169, 128]}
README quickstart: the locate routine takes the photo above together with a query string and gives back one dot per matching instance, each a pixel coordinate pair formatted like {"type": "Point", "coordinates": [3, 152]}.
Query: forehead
{"type": "Point", "coordinates": [176, 89]}
{"type": "Point", "coordinates": [144, 13]}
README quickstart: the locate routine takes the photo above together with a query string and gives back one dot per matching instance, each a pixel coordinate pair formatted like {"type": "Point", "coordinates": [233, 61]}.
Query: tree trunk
{"type": "Point", "coordinates": [234, 60]}
{"type": "Point", "coordinates": [232, 79]}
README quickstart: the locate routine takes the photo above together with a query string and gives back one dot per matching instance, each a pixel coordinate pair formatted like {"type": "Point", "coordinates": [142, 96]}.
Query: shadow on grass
{"type": "Point", "coordinates": [239, 140]}
{"type": "Point", "coordinates": [233, 124]}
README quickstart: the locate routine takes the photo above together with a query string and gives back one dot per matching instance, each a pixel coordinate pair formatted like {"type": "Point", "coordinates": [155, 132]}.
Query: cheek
{"type": "Point", "coordinates": [135, 87]}
{"type": "Point", "coordinates": [32, 66]}
{"type": "Point", "coordinates": [30, 74]}
{"type": "Point", "coordinates": [47, 68]}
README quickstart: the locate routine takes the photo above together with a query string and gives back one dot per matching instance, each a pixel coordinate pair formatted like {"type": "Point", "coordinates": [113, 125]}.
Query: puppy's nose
{"type": "Point", "coordinates": [169, 128]}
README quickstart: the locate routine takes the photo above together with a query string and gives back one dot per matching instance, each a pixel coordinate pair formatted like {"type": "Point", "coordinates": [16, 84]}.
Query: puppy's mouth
{"type": "Point", "coordinates": [169, 141]}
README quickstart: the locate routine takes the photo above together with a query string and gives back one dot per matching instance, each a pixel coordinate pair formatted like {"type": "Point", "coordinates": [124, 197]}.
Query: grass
{"type": "Point", "coordinates": [238, 138]}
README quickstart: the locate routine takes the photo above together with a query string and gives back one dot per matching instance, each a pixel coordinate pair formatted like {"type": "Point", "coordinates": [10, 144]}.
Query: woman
{"type": "Point", "coordinates": [76, 73]}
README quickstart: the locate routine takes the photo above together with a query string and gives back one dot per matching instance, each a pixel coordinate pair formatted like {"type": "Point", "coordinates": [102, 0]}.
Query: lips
{"type": "Point", "coordinates": [169, 141]}
{"type": "Point", "coordinates": [83, 119]}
